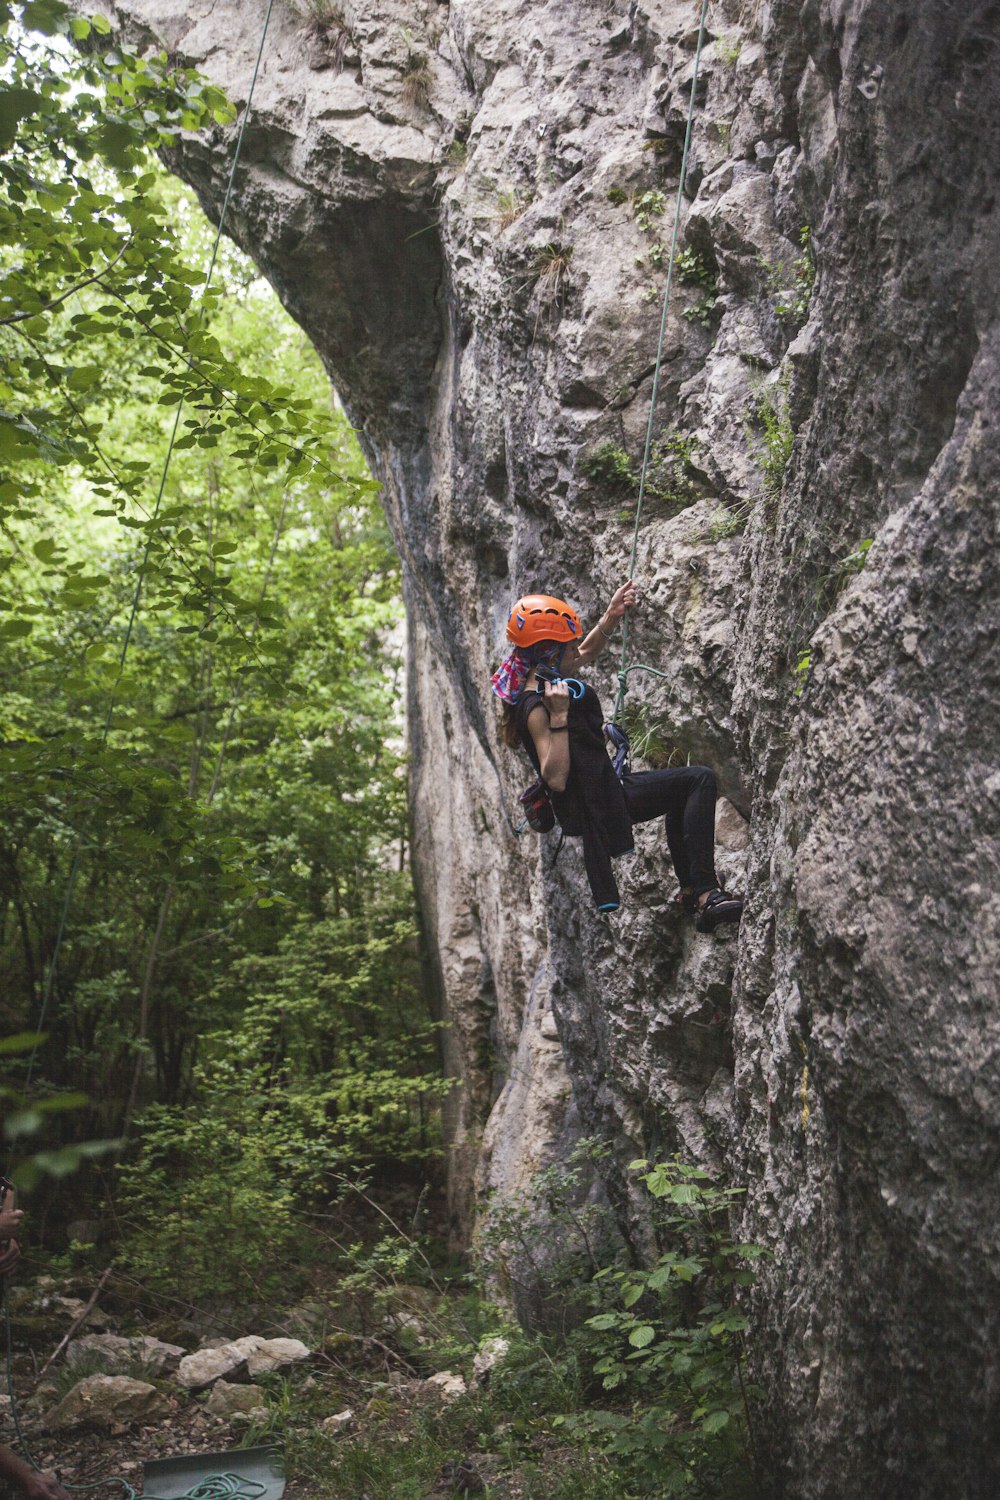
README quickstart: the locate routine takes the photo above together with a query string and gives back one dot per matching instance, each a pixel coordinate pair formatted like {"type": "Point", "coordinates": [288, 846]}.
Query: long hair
{"type": "Point", "coordinates": [508, 726]}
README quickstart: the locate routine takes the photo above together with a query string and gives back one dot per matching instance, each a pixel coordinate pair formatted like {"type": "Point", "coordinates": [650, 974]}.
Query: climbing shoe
{"type": "Point", "coordinates": [720, 907]}
{"type": "Point", "coordinates": [687, 901]}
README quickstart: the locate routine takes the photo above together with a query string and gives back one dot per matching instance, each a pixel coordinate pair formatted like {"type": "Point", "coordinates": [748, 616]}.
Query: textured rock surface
{"type": "Point", "coordinates": [477, 298]}
{"type": "Point", "coordinates": [106, 1401]}
{"type": "Point", "coordinates": [116, 1354]}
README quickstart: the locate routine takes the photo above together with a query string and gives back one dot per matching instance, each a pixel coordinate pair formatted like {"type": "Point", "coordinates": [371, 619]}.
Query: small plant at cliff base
{"type": "Point", "coordinates": [666, 1343]}
{"type": "Point", "coordinates": [855, 561]}
{"type": "Point", "coordinates": [671, 476]}
{"type": "Point", "coordinates": [542, 1247]}
{"type": "Point", "coordinates": [770, 420]}
{"type": "Point", "coordinates": [610, 466]}
{"type": "Point", "coordinates": [695, 269]}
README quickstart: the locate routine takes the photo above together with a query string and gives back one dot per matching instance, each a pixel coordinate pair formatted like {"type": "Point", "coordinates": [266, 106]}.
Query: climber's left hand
{"type": "Point", "coordinates": [622, 599]}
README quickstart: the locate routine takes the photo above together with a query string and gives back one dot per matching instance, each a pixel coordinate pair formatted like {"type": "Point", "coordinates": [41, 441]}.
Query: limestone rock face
{"type": "Point", "coordinates": [480, 261]}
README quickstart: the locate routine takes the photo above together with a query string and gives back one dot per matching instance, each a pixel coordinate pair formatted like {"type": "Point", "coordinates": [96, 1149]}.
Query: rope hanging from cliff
{"type": "Point", "coordinates": [625, 669]}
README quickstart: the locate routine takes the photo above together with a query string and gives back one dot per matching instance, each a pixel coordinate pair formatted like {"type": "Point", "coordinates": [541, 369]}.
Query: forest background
{"type": "Point", "coordinates": [205, 906]}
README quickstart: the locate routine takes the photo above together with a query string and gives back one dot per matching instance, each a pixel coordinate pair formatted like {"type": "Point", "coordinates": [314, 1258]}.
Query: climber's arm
{"type": "Point", "coordinates": [594, 642]}
{"type": "Point", "coordinates": [548, 728]}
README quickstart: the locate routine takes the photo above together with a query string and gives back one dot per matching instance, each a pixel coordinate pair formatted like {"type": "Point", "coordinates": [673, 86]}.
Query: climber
{"type": "Point", "coordinates": [563, 735]}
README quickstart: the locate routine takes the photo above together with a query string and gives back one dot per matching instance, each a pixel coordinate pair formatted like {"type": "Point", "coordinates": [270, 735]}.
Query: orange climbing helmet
{"type": "Point", "coordinates": [540, 617]}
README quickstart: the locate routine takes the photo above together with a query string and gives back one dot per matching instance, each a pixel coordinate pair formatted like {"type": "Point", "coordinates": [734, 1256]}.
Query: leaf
{"type": "Point", "coordinates": [21, 1041]}
{"type": "Point", "coordinates": [16, 104]}
{"type": "Point", "coordinates": [640, 1337]}
{"type": "Point", "coordinates": [715, 1421]}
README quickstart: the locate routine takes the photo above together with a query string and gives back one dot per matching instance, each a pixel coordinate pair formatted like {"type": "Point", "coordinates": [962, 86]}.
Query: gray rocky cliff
{"type": "Point", "coordinates": [460, 205]}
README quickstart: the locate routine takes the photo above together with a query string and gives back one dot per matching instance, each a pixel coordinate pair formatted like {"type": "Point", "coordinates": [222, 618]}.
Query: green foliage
{"type": "Point", "coordinates": [696, 269]}
{"type": "Point", "coordinates": [771, 428]}
{"type": "Point", "coordinates": [200, 742]}
{"type": "Point", "coordinates": [672, 477]}
{"type": "Point", "coordinates": [667, 1339]}
{"type": "Point", "coordinates": [792, 287]}
{"type": "Point", "coordinates": [672, 481]}
{"type": "Point", "coordinates": [617, 196]}
{"type": "Point", "coordinates": [610, 466]}
{"type": "Point", "coordinates": [728, 49]}
{"type": "Point", "coordinates": [855, 561]}
{"type": "Point", "coordinates": [649, 206]}
{"type": "Point", "coordinates": [542, 1247]}
{"type": "Point", "coordinates": [803, 667]}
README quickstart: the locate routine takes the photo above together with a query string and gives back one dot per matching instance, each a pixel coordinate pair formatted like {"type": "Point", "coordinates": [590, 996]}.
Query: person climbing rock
{"type": "Point", "coordinates": [559, 722]}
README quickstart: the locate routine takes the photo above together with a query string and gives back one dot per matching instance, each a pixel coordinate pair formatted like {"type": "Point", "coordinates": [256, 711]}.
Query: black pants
{"type": "Point", "coordinates": [685, 797]}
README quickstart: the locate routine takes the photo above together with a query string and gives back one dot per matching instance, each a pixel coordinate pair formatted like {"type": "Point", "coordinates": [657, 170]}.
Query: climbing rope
{"type": "Point", "coordinates": [625, 669]}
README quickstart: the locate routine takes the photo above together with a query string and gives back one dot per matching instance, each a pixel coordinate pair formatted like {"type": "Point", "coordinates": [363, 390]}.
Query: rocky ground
{"type": "Point", "coordinates": [356, 1416]}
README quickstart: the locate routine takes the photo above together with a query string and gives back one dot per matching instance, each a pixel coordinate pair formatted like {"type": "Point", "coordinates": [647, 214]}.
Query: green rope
{"type": "Point", "coordinates": [625, 669]}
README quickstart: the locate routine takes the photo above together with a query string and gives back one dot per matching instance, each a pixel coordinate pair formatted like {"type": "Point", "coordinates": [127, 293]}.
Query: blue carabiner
{"type": "Point", "coordinates": [576, 687]}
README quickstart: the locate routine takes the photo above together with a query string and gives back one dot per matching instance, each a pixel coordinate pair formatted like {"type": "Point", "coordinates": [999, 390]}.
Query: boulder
{"type": "Point", "coordinates": [341, 1421]}
{"type": "Point", "coordinates": [264, 1355]}
{"type": "Point", "coordinates": [447, 1385]}
{"type": "Point", "coordinates": [239, 1360]}
{"type": "Point", "coordinates": [117, 1355]}
{"type": "Point", "coordinates": [226, 1400]}
{"type": "Point", "coordinates": [492, 1352]}
{"type": "Point", "coordinates": [108, 1401]}
{"type": "Point", "coordinates": [196, 1372]}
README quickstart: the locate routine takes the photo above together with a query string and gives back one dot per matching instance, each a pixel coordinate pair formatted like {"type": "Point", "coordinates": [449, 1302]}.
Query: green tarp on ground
{"type": "Point", "coordinates": [216, 1475]}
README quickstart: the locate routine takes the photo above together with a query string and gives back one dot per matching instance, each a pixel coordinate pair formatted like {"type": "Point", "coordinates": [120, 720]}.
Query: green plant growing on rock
{"type": "Point", "coordinates": [771, 424]}
{"type": "Point", "coordinates": [416, 75]}
{"type": "Point", "coordinates": [792, 285]}
{"type": "Point", "coordinates": [511, 204]}
{"type": "Point", "coordinates": [609, 465]}
{"type": "Point", "coordinates": [617, 196]}
{"type": "Point", "coordinates": [731, 522]}
{"type": "Point", "coordinates": [728, 49]}
{"type": "Point", "coordinates": [694, 268]}
{"type": "Point", "coordinates": [653, 740]}
{"type": "Point", "coordinates": [550, 272]}
{"type": "Point", "coordinates": [855, 561]}
{"type": "Point", "coordinates": [649, 206]}
{"type": "Point", "coordinates": [327, 28]}
{"type": "Point", "coordinates": [671, 475]}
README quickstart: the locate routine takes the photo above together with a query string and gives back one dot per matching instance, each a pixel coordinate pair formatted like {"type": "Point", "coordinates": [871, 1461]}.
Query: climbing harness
{"type": "Point", "coordinates": [221, 1486]}
{"type": "Point", "coordinates": [625, 669]}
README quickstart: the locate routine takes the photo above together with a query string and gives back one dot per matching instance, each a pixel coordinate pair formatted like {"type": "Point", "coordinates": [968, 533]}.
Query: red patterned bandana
{"type": "Point", "coordinates": [509, 678]}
